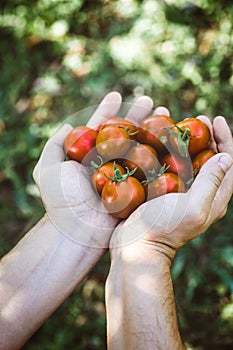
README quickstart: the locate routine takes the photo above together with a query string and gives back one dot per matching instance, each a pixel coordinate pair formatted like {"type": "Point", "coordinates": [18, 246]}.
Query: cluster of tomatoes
{"type": "Point", "coordinates": [133, 164]}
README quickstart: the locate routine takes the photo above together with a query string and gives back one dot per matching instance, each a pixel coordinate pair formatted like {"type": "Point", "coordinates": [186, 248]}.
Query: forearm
{"type": "Point", "coordinates": [140, 303]}
{"type": "Point", "coordinates": [36, 277]}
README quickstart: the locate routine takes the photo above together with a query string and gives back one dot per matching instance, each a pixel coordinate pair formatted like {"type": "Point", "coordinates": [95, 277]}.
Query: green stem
{"type": "Point", "coordinates": [96, 166]}
{"type": "Point", "coordinates": [118, 177]}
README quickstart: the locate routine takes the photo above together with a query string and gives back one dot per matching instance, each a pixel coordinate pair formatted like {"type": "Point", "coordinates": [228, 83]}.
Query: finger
{"type": "Point", "coordinates": [53, 151]}
{"type": "Point", "coordinates": [206, 185]}
{"type": "Point", "coordinates": [207, 121]}
{"type": "Point", "coordinates": [223, 135]}
{"type": "Point", "coordinates": [223, 196]}
{"type": "Point", "coordinates": [108, 107]}
{"type": "Point", "coordinates": [140, 109]}
{"type": "Point", "coordinates": [162, 110]}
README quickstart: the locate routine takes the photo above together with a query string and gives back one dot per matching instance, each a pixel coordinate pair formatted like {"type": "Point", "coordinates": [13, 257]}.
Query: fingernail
{"type": "Point", "coordinates": [225, 162]}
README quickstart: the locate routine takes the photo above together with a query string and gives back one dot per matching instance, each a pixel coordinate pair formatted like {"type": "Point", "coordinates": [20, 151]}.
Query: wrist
{"type": "Point", "coordinates": [142, 248]}
{"type": "Point", "coordinates": [80, 232]}
{"type": "Point", "coordinates": [80, 254]}
{"type": "Point", "coordinates": [138, 264]}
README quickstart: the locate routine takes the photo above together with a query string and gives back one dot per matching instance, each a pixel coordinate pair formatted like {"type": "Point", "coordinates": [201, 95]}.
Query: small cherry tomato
{"type": "Point", "coordinates": [79, 142]}
{"type": "Point", "coordinates": [122, 198]}
{"type": "Point", "coordinates": [163, 184]}
{"type": "Point", "coordinates": [143, 157]}
{"type": "Point", "coordinates": [129, 126]}
{"type": "Point", "coordinates": [100, 177]}
{"type": "Point", "coordinates": [190, 136]}
{"type": "Point", "coordinates": [176, 164]}
{"type": "Point", "coordinates": [152, 131]}
{"type": "Point", "coordinates": [112, 142]}
{"type": "Point", "coordinates": [200, 159]}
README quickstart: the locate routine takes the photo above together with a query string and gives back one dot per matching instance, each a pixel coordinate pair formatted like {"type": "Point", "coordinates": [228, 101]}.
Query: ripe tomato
{"type": "Point", "coordinates": [201, 158]}
{"type": "Point", "coordinates": [112, 142]}
{"type": "Point", "coordinates": [176, 164]}
{"type": "Point", "coordinates": [191, 136]}
{"type": "Point", "coordinates": [152, 131]}
{"type": "Point", "coordinates": [130, 127]}
{"type": "Point", "coordinates": [122, 198]}
{"type": "Point", "coordinates": [143, 157]}
{"type": "Point", "coordinates": [79, 142]}
{"type": "Point", "coordinates": [166, 183]}
{"type": "Point", "coordinates": [99, 179]}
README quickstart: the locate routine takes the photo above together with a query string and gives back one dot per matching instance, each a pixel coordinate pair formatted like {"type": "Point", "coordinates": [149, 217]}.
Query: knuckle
{"type": "Point", "coordinates": [214, 174]}
{"type": "Point", "coordinates": [197, 217]}
{"type": "Point", "coordinates": [216, 178]}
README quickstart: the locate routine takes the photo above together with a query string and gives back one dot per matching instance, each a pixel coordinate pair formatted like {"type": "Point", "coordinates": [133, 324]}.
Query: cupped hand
{"type": "Point", "coordinates": [168, 222]}
{"type": "Point", "coordinates": [68, 197]}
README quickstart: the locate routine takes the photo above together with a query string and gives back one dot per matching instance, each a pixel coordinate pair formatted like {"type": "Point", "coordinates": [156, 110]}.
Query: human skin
{"type": "Point", "coordinates": [141, 313]}
{"type": "Point", "coordinates": [41, 271]}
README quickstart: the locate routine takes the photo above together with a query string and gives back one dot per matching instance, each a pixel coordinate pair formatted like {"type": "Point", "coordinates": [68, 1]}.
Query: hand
{"type": "Point", "coordinates": [168, 222]}
{"type": "Point", "coordinates": [139, 294]}
{"type": "Point", "coordinates": [71, 203]}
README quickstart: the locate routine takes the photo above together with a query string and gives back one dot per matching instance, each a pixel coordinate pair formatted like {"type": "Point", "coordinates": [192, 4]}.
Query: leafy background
{"type": "Point", "coordinates": [59, 56]}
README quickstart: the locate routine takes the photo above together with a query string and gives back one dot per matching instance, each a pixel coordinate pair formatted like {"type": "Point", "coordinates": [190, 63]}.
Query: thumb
{"type": "Point", "coordinates": [209, 180]}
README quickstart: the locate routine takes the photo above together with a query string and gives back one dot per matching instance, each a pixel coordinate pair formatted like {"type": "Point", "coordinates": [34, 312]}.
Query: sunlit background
{"type": "Point", "coordinates": [60, 56]}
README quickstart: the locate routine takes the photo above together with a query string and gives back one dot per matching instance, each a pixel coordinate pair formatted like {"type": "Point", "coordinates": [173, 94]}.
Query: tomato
{"type": "Point", "coordinates": [130, 127]}
{"type": "Point", "coordinates": [152, 131]}
{"type": "Point", "coordinates": [191, 136]}
{"type": "Point", "coordinates": [99, 178]}
{"type": "Point", "coordinates": [112, 142]}
{"type": "Point", "coordinates": [166, 183]}
{"type": "Point", "coordinates": [122, 198]}
{"type": "Point", "coordinates": [143, 157]}
{"type": "Point", "coordinates": [79, 142]}
{"type": "Point", "coordinates": [201, 158]}
{"type": "Point", "coordinates": [176, 164]}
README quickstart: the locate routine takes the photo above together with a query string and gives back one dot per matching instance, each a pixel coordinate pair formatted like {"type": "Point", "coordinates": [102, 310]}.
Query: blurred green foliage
{"type": "Point", "coordinates": [60, 56]}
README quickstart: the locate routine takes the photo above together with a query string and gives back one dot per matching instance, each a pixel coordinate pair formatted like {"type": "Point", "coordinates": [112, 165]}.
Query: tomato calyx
{"type": "Point", "coordinates": [195, 172]}
{"type": "Point", "coordinates": [153, 174]}
{"type": "Point", "coordinates": [183, 137]}
{"type": "Point", "coordinates": [94, 165]}
{"type": "Point", "coordinates": [118, 177]}
{"type": "Point", "coordinates": [128, 128]}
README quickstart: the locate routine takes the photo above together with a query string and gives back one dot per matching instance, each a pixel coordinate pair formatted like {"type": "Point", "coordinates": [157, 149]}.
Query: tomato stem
{"type": "Point", "coordinates": [185, 134]}
{"type": "Point", "coordinates": [128, 128]}
{"type": "Point", "coordinates": [96, 166]}
{"type": "Point", "coordinates": [153, 174]}
{"type": "Point", "coordinates": [133, 133]}
{"type": "Point", "coordinates": [118, 177]}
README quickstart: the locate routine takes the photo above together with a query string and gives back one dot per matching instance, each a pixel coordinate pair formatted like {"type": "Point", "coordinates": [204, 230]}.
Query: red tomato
{"type": "Point", "coordinates": [201, 158]}
{"type": "Point", "coordinates": [193, 136]}
{"type": "Point", "coordinates": [124, 123]}
{"type": "Point", "coordinates": [99, 179]}
{"type": "Point", "coordinates": [166, 183]}
{"type": "Point", "coordinates": [152, 131]}
{"type": "Point", "coordinates": [79, 142]}
{"type": "Point", "coordinates": [112, 142]}
{"type": "Point", "coordinates": [122, 198]}
{"type": "Point", "coordinates": [181, 166]}
{"type": "Point", "coordinates": [143, 157]}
